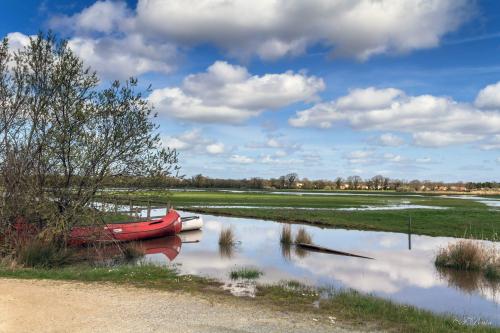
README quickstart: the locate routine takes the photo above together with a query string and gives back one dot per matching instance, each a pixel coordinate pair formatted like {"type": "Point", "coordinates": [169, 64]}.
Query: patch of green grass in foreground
{"type": "Point", "coordinates": [462, 217]}
{"type": "Point", "coordinates": [140, 276]}
{"type": "Point", "coordinates": [248, 273]}
{"type": "Point", "coordinates": [358, 310]}
{"type": "Point", "coordinates": [350, 309]}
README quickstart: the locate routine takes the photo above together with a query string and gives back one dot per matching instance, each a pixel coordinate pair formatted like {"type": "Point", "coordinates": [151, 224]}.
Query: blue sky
{"type": "Point", "coordinates": [408, 89]}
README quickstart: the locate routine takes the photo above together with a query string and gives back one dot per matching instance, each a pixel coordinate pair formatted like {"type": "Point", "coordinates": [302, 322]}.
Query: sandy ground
{"type": "Point", "coordinates": [54, 306]}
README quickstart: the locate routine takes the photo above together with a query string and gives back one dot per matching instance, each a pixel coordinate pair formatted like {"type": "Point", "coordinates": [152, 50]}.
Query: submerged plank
{"type": "Point", "coordinates": [317, 248]}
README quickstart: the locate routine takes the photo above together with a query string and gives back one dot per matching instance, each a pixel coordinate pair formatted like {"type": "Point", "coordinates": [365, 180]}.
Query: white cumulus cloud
{"type": "Point", "coordinates": [241, 159]}
{"type": "Point", "coordinates": [492, 144]}
{"type": "Point", "coordinates": [272, 29]}
{"type": "Point", "coordinates": [390, 140]}
{"type": "Point", "coordinates": [17, 40]}
{"type": "Point", "coordinates": [102, 16]}
{"type": "Point", "coordinates": [489, 97]}
{"type": "Point", "coordinates": [120, 58]}
{"type": "Point", "coordinates": [215, 148]}
{"type": "Point", "coordinates": [227, 93]}
{"type": "Point", "coordinates": [441, 139]}
{"type": "Point", "coordinates": [433, 120]}
{"type": "Point", "coordinates": [193, 140]}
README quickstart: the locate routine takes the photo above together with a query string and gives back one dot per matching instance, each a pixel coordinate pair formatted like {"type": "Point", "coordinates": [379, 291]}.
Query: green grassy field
{"type": "Point", "coordinates": [461, 217]}
{"type": "Point", "coordinates": [350, 309]}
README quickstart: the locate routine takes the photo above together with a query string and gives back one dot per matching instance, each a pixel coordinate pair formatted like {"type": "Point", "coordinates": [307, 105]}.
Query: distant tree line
{"type": "Point", "coordinates": [292, 181]}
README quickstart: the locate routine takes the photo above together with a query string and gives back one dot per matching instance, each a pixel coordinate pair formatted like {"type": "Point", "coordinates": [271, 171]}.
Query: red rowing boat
{"type": "Point", "coordinates": [170, 224]}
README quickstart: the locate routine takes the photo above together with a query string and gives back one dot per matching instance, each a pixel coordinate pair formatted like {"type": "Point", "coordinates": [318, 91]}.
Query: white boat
{"type": "Point", "coordinates": [191, 223]}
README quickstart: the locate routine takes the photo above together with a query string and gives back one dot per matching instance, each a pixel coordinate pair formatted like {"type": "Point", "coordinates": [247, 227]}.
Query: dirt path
{"type": "Point", "coordinates": [54, 306]}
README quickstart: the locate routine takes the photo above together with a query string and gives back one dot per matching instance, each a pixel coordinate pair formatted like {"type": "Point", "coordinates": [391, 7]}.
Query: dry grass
{"type": "Point", "coordinates": [286, 235]}
{"type": "Point", "coordinates": [226, 237]}
{"type": "Point", "coordinates": [303, 236]}
{"type": "Point", "coordinates": [227, 242]}
{"type": "Point", "coordinates": [470, 255]}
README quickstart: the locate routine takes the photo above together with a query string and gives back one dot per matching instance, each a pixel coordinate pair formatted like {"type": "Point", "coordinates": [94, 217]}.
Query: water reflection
{"type": "Point", "coordinates": [301, 252]}
{"type": "Point", "coordinates": [168, 246]}
{"type": "Point", "coordinates": [286, 251]}
{"type": "Point", "coordinates": [226, 250]}
{"type": "Point", "coordinates": [471, 282]}
{"type": "Point", "coordinates": [397, 274]}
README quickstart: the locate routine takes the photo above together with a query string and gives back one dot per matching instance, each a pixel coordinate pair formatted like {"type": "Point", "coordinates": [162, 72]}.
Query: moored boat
{"type": "Point", "coordinates": [169, 224]}
{"type": "Point", "coordinates": [191, 223]}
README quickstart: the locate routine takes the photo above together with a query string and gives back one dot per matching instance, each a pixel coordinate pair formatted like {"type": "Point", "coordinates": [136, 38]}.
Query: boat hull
{"type": "Point", "coordinates": [191, 223]}
{"type": "Point", "coordinates": [170, 224]}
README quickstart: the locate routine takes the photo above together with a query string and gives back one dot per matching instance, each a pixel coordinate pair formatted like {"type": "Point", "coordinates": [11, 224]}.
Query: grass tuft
{"type": "Point", "coordinates": [226, 237]}
{"type": "Point", "coordinates": [303, 236]}
{"type": "Point", "coordinates": [227, 242]}
{"type": "Point", "coordinates": [248, 273]}
{"type": "Point", "coordinates": [469, 255]}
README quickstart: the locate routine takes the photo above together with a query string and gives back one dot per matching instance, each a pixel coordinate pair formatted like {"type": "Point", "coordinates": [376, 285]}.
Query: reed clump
{"type": "Point", "coordinates": [227, 243]}
{"type": "Point", "coordinates": [469, 255]}
{"type": "Point", "coordinates": [226, 237]}
{"type": "Point", "coordinates": [303, 236]}
{"type": "Point", "coordinates": [286, 235]}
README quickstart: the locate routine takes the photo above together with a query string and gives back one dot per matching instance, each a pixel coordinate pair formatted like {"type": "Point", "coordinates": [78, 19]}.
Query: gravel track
{"type": "Point", "coordinates": [55, 306]}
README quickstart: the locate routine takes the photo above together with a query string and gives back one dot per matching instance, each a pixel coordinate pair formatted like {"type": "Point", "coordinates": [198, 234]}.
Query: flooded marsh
{"type": "Point", "coordinates": [403, 270]}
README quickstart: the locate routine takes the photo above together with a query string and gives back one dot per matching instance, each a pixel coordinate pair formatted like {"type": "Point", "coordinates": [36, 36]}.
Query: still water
{"type": "Point", "coordinates": [402, 271]}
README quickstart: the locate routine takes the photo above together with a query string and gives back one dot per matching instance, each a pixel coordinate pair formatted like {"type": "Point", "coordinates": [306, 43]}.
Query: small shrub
{"type": "Point", "coordinates": [303, 237]}
{"type": "Point", "coordinates": [42, 254]}
{"type": "Point", "coordinates": [286, 235]}
{"type": "Point", "coordinates": [245, 273]}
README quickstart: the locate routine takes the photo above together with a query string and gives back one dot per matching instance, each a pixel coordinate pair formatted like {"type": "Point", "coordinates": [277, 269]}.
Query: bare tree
{"type": "Point", "coordinates": [63, 134]}
{"type": "Point", "coordinates": [377, 182]}
{"type": "Point", "coordinates": [290, 179]}
{"type": "Point", "coordinates": [354, 182]}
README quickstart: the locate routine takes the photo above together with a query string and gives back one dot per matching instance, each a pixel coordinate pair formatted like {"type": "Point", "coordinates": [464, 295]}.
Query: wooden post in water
{"type": "Point", "coordinates": [409, 232]}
